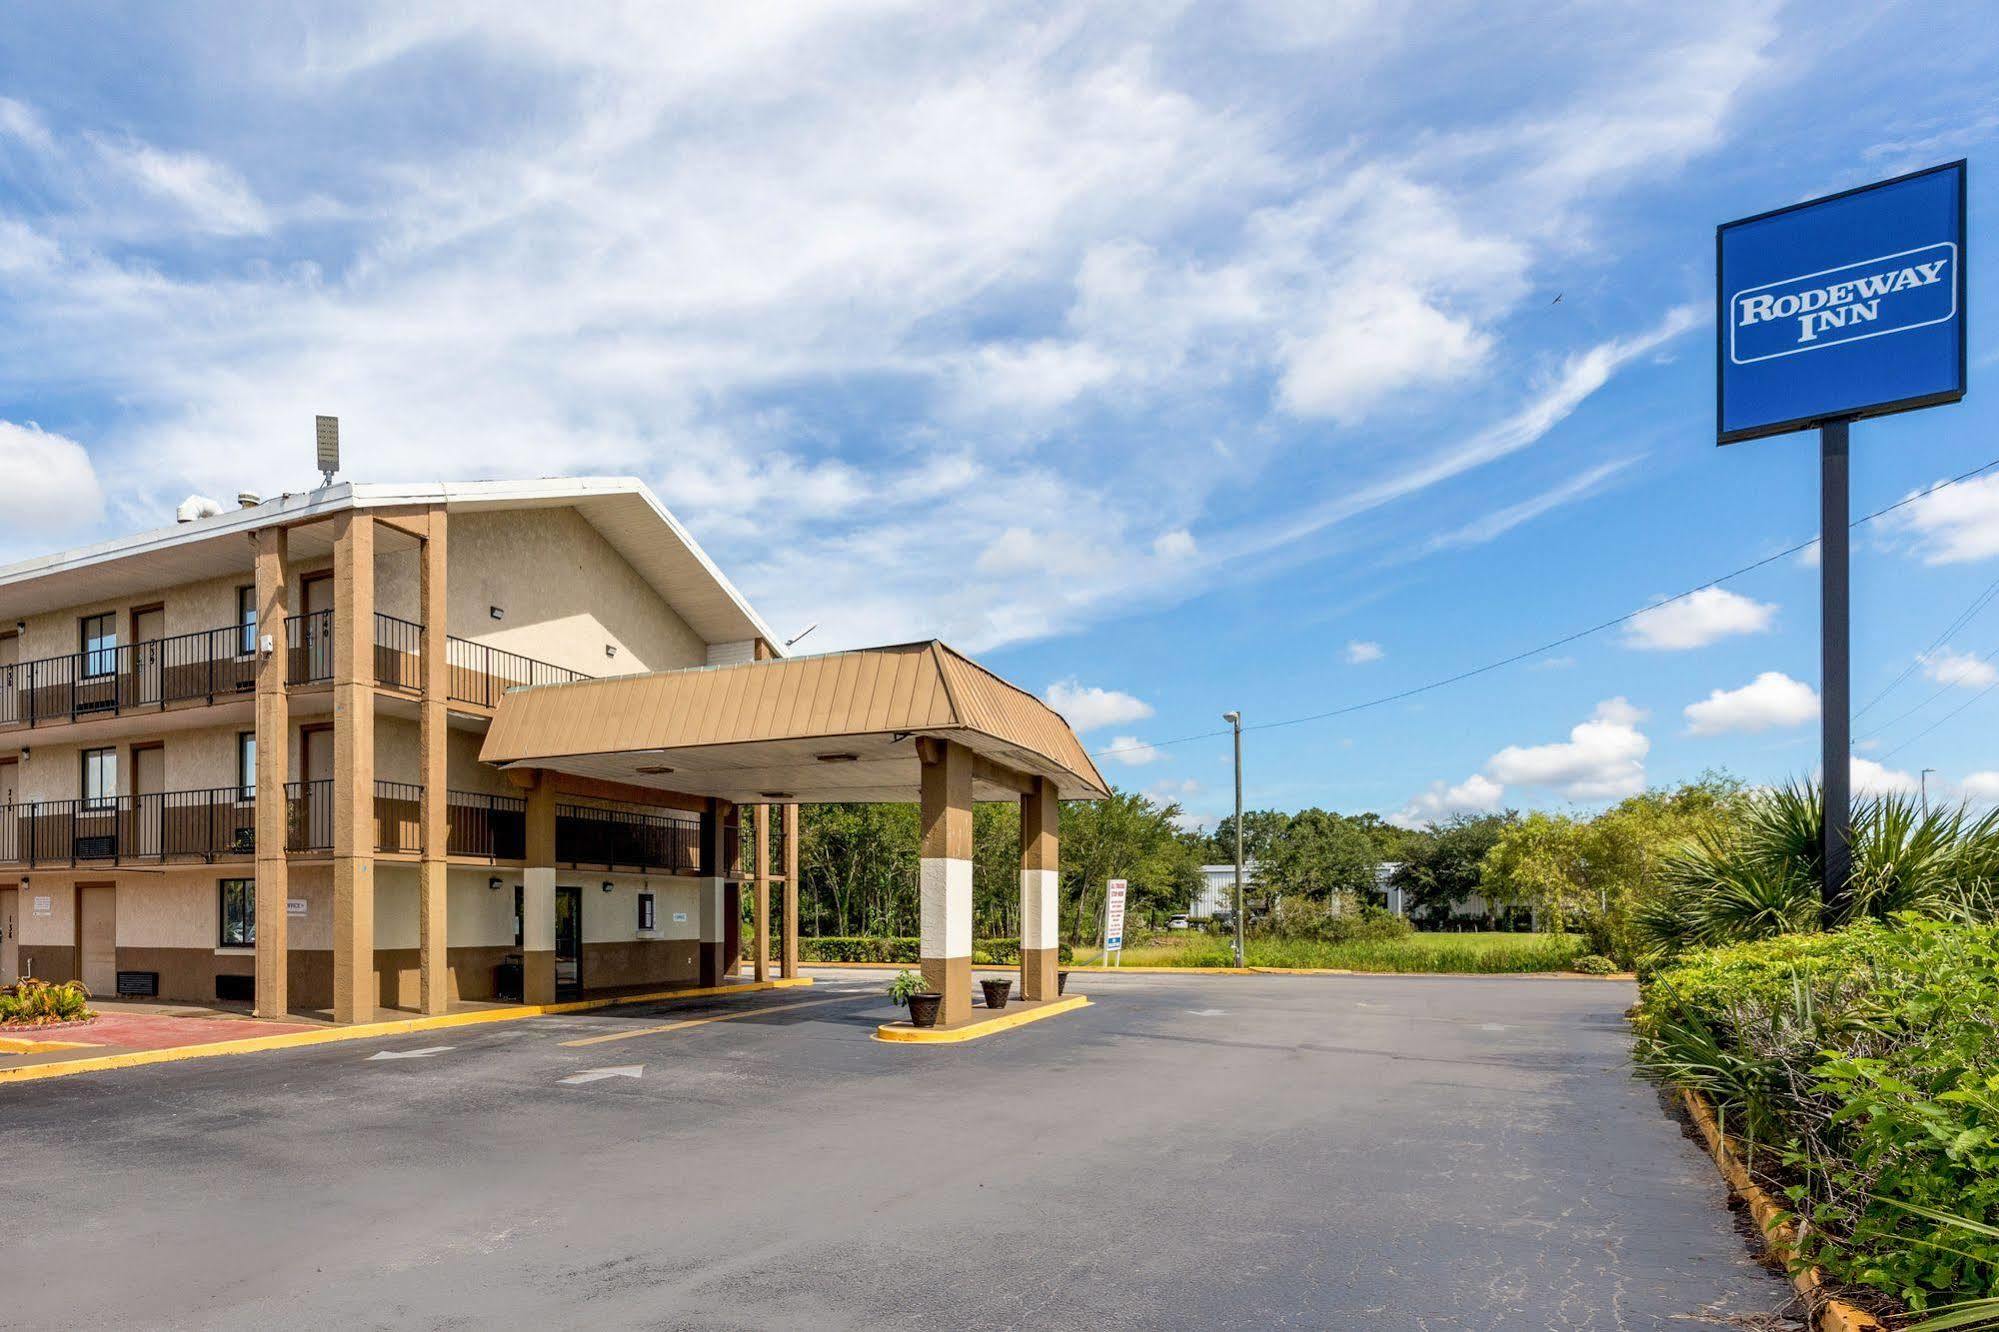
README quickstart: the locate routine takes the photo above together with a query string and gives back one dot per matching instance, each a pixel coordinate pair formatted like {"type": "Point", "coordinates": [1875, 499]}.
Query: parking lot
{"type": "Point", "coordinates": [1364, 1152]}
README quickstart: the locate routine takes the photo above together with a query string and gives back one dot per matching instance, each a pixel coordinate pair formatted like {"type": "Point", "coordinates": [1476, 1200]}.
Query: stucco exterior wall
{"type": "Point", "coordinates": [566, 595]}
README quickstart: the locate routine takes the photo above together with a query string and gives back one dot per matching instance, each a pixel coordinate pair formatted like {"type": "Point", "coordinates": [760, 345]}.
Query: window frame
{"type": "Point", "coordinates": [246, 620]}
{"type": "Point", "coordinates": [246, 765]}
{"type": "Point", "coordinates": [93, 657]}
{"type": "Point", "coordinates": [248, 914]}
{"type": "Point", "coordinates": [107, 773]}
{"type": "Point", "coordinates": [648, 912]}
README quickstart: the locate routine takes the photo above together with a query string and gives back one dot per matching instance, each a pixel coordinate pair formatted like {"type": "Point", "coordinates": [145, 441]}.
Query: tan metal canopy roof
{"type": "Point", "coordinates": [836, 727]}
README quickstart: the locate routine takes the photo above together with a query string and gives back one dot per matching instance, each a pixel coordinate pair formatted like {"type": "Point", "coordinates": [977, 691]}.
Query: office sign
{"type": "Point", "coordinates": [1842, 307]}
{"type": "Point", "coordinates": [295, 906]}
{"type": "Point", "coordinates": [1114, 916]}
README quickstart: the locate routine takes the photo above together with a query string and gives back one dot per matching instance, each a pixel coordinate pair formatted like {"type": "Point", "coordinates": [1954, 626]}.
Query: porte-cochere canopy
{"type": "Point", "coordinates": [842, 726]}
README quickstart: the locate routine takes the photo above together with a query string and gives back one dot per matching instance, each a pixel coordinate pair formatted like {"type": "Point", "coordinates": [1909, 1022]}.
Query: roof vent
{"type": "Point", "coordinates": [248, 499]}
{"type": "Point", "coordinates": [197, 506]}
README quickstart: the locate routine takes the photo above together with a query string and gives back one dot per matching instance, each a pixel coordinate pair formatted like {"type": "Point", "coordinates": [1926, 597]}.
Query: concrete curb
{"type": "Point", "coordinates": [1829, 1314]}
{"type": "Point", "coordinates": [1095, 970]}
{"type": "Point", "coordinates": [362, 1031]}
{"type": "Point", "coordinates": [901, 1033]}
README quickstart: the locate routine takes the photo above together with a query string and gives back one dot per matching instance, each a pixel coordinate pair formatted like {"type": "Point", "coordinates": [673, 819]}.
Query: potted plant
{"type": "Point", "coordinates": [997, 992]}
{"type": "Point", "coordinates": [924, 1003]}
{"type": "Point", "coordinates": [1061, 983]}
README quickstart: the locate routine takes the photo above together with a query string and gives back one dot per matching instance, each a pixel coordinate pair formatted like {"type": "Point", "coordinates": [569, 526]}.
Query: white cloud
{"type": "Point", "coordinates": [1949, 667]}
{"type": "Point", "coordinates": [1696, 620]}
{"type": "Point", "coordinates": [1872, 779]}
{"type": "Point", "coordinates": [18, 121]}
{"type": "Point", "coordinates": [1553, 664]}
{"type": "Point", "coordinates": [1381, 341]}
{"type": "Point", "coordinates": [1603, 758]}
{"type": "Point", "coordinates": [1771, 699]}
{"type": "Point", "coordinates": [1503, 520]}
{"type": "Point", "coordinates": [1174, 546]}
{"type": "Point", "coordinates": [1132, 751]}
{"type": "Point", "coordinates": [1359, 652]}
{"type": "Point", "coordinates": [1982, 788]}
{"type": "Point", "coordinates": [1087, 707]}
{"type": "Point", "coordinates": [47, 483]}
{"type": "Point", "coordinates": [1953, 524]}
{"type": "Point", "coordinates": [212, 196]}
{"type": "Point", "coordinates": [1476, 794]}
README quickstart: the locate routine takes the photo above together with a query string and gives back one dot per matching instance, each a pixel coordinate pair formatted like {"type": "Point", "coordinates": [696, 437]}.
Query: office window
{"type": "Point", "coordinates": [239, 913]}
{"type": "Point", "coordinates": [246, 764]}
{"type": "Point", "coordinates": [246, 616]}
{"type": "Point", "coordinates": [100, 778]}
{"type": "Point", "coordinates": [100, 643]}
{"type": "Point", "coordinates": [646, 914]}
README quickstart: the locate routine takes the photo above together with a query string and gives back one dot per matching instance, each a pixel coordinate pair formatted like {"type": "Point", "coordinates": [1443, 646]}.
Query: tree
{"type": "Point", "coordinates": [1261, 828]}
{"type": "Point", "coordinates": [1442, 868]}
{"type": "Point", "coordinates": [1126, 837]}
{"type": "Point", "coordinates": [1319, 854]}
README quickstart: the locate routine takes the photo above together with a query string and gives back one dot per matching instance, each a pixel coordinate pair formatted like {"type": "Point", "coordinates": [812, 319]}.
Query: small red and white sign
{"type": "Point", "coordinates": [1114, 916]}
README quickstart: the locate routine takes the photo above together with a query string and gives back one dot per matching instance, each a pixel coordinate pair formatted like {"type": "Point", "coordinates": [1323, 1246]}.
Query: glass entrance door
{"type": "Point", "coordinates": [568, 940]}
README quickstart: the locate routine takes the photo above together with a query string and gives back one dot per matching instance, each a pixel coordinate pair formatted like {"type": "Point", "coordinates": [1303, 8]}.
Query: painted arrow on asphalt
{"type": "Point", "coordinates": [1208, 1012]}
{"type": "Point", "coordinates": [425, 1053]}
{"type": "Point", "coordinates": [599, 1074]}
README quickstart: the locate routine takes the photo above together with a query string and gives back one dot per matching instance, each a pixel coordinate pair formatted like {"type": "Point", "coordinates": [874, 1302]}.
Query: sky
{"type": "Point", "coordinates": [1172, 359]}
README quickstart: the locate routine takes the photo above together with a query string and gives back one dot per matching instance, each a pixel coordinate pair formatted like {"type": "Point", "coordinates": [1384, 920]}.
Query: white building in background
{"type": "Point", "coordinates": [1217, 895]}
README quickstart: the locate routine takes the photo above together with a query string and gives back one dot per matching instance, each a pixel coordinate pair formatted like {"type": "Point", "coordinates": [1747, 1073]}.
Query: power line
{"type": "Point", "coordinates": [1563, 641]}
{"type": "Point", "coordinates": [1941, 720]}
{"type": "Point", "coordinates": [1966, 616]}
{"type": "Point", "coordinates": [1948, 685]}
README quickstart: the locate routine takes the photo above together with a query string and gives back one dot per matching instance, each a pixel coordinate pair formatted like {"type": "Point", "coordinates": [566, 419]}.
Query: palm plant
{"type": "Point", "coordinates": [1763, 874]}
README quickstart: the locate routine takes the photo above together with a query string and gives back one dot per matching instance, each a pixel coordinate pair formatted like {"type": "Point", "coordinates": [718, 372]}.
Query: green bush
{"type": "Point", "coordinates": [1594, 964]}
{"type": "Point", "coordinates": [985, 952]}
{"type": "Point", "coordinates": [1862, 1067]}
{"type": "Point", "coordinates": [1338, 919]}
{"type": "Point", "coordinates": [34, 1003]}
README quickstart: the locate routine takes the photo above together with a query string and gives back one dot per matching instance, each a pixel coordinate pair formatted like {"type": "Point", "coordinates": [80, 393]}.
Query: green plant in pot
{"type": "Point", "coordinates": [909, 989]}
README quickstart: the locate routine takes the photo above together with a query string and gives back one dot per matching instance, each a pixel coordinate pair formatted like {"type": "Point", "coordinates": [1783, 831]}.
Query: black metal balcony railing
{"type": "Point", "coordinates": [475, 672]}
{"type": "Point", "coordinates": [398, 816]}
{"type": "Point", "coordinates": [479, 673]}
{"type": "Point", "coordinates": [309, 816]}
{"type": "Point", "coordinates": [148, 676]}
{"type": "Point", "coordinates": [490, 827]}
{"type": "Point", "coordinates": [208, 825]}
{"type": "Point", "coordinates": [627, 839]}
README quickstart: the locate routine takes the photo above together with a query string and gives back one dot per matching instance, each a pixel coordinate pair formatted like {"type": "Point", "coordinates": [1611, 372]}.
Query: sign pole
{"type": "Point", "coordinates": [1835, 714]}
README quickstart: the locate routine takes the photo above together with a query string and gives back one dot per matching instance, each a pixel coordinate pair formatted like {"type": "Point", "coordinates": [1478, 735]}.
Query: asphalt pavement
{"type": "Point", "coordinates": [1313, 1152]}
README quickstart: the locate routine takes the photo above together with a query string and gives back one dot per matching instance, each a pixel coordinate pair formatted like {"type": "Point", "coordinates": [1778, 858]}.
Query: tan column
{"type": "Point", "coordinates": [434, 748]}
{"type": "Point", "coordinates": [1040, 889]}
{"type": "Point", "coordinates": [712, 897]}
{"type": "Point", "coordinates": [354, 988]}
{"type": "Point", "coordinates": [946, 874]}
{"type": "Point", "coordinates": [788, 968]}
{"type": "Point", "coordinates": [762, 907]}
{"type": "Point", "coordinates": [273, 758]}
{"type": "Point", "coordinates": [538, 896]}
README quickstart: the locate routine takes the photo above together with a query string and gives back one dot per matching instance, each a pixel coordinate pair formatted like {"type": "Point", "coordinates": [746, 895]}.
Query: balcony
{"type": "Point", "coordinates": [216, 824]}
{"type": "Point", "coordinates": [309, 818]}
{"type": "Point", "coordinates": [475, 672]}
{"type": "Point", "coordinates": [197, 668]}
{"type": "Point", "coordinates": [488, 827]}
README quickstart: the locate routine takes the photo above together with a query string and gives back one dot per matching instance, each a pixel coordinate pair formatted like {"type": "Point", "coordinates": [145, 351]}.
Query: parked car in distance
{"type": "Point", "coordinates": [1178, 922]}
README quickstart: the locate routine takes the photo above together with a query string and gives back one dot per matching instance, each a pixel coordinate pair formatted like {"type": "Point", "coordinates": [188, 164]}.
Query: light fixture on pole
{"type": "Point", "coordinates": [1924, 779]}
{"type": "Point", "coordinates": [1234, 719]}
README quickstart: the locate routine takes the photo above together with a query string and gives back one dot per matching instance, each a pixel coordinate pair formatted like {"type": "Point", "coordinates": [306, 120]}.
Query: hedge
{"type": "Point", "coordinates": [985, 952]}
{"type": "Point", "coordinates": [1862, 1068]}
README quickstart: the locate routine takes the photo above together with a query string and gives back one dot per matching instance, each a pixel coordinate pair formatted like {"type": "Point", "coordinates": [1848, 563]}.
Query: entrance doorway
{"type": "Point", "coordinates": [97, 937]}
{"type": "Point", "coordinates": [10, 944]}
{"type": "Point", "coordinates": [568, 940]}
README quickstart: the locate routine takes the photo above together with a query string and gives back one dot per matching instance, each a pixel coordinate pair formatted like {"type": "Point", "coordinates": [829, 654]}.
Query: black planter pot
{"type": "Point", "coordinates": [924, 1008]}
{"type": "Point", "coordinates": [1061, 982]}
{"type": "Point", "coordinates": [997, 992]}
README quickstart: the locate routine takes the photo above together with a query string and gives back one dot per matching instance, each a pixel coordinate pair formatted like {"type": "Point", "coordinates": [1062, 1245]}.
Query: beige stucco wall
{"type": "Point", "coordinates": [59, 926]}
{"type": "Point", "coordinates": [565, 592]}
{"type": "Point", "coordinates": [196, 760]}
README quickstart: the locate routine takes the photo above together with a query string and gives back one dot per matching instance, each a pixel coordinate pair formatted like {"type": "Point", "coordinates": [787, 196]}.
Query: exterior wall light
{"type": "Point", "coordinates": [496, 612]}
{"type": "Point", "coordinates": [494, 883]}
{"type": "Point", "coordinates": [607, 885]}
{"type": "Point", "coordinates": [610, 649]}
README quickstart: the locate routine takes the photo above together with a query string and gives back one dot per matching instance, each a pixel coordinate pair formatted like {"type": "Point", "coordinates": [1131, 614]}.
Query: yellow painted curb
{"type": "Point", "coordinates": [899, 1033]}
{"type": "Point", "coordinates": [23, 1045]}
{"type": "Point", "coordinates": [1828, 1314]}
{"type": "Point", "coordinates": [362, 1031]}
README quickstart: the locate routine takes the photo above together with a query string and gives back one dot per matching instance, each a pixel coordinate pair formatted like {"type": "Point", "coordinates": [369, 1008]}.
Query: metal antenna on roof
{"type": "Point", "coordinates": [327, 428]}
{"type": "Point", "coordinates": [801, 633]}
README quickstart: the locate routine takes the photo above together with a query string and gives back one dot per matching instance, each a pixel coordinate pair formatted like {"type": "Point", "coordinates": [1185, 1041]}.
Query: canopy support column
{"type": "Point", "coordinates": [1040, 887]}
{"type": "Point", "coordinates": [713, 892]}
{"type": "Point", "coordinates": [273, 756]}
{"type": "Point", "coordinates": [946, 874]}
{"type": "Point", "coordinates": [788, 968]}
{"type": "Point", "coordinates": [762, 819]}
{"type": "Point", "coordinates": [355, 990]}
{"type": "Point", "coordinates": [538, 896]}
{"type": "Point", "coordinates": [433, 745]}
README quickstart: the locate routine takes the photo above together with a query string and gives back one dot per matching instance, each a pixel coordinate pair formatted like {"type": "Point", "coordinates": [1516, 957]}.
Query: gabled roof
{"type": "Point", "coordinates": [622, 509]}
{"type": "Point", "coordinates": [840, 726]}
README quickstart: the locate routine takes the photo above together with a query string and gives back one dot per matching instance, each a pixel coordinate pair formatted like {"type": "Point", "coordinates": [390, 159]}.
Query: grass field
{"type": "Point", "coordinates": [1477, 953]}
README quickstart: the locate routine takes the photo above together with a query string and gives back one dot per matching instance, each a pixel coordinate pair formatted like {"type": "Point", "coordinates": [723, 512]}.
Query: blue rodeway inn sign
{"type": "Point", "coordinates": [1828, 311]}
{"type": "Point", "coordinates": [1847, 306]}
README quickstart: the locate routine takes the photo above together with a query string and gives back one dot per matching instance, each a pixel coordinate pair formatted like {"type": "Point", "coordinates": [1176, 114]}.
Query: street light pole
{"type": "Point", "coordinates": [1234, 719]}
{"type": "Point", "coordinates": [1925, 780]}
